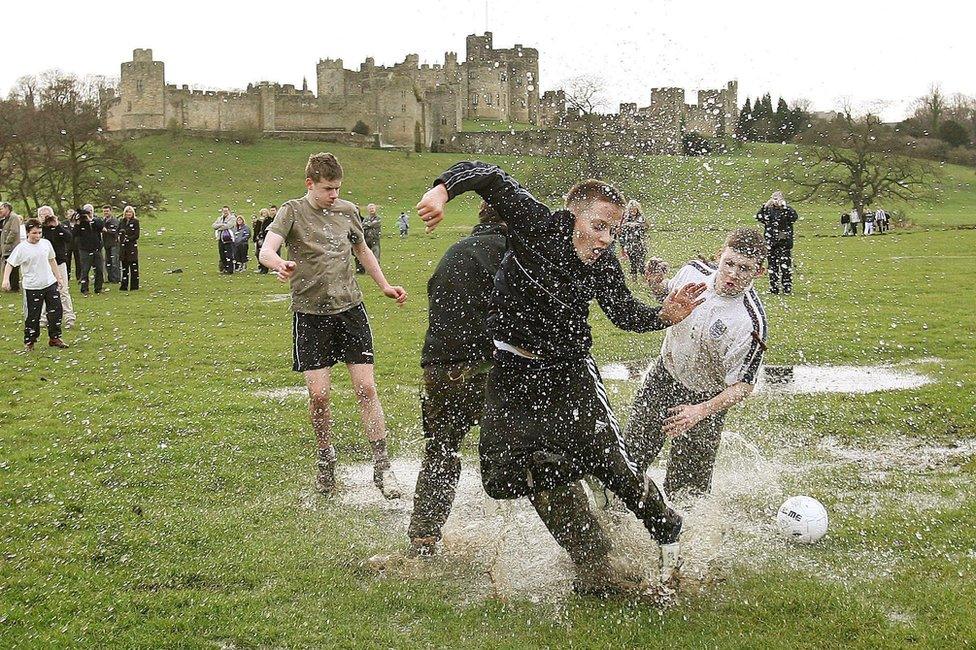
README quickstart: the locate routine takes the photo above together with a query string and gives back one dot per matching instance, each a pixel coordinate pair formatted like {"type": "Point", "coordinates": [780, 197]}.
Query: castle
{"type": "Point", "coordinates": [407, 105]}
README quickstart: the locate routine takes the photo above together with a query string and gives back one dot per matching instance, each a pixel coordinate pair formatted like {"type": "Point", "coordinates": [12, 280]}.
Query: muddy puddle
{"type": "Point", "coordinates": [277, 297]}
{"type": "Point", "coordinates": [806, 379]}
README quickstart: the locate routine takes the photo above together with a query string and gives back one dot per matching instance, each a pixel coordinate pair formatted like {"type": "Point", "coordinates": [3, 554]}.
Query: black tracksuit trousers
{"type": "Point", "coordinates": [547, 424]}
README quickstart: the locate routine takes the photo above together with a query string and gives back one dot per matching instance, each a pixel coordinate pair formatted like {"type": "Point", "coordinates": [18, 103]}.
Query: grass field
{"type": "Point", "coordinates": [150, 499]}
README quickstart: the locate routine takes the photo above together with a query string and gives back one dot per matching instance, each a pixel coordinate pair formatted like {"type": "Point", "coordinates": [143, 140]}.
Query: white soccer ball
{"type": "Point", "coordinates": [802, 519]}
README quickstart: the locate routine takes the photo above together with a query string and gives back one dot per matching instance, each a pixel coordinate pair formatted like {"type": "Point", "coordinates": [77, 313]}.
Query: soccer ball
{"type": "Point", "coordinates": [802, 519]}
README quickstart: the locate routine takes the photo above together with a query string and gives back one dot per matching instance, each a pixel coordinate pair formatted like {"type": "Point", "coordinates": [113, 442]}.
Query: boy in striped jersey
{"type": "Point", "coordinates": [709, 362]}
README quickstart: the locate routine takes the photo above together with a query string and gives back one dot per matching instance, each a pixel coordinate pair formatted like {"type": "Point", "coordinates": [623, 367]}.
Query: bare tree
{"type": "Point", "coordinates": [586, 95]}
{"type": "Point", "coordinates": [857, 161]}
{"type": "Point", "coordinates": [931, 108]}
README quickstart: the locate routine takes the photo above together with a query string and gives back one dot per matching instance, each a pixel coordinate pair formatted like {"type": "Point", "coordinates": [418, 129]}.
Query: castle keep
{"type": "Point", "coordinates": [411, 105]}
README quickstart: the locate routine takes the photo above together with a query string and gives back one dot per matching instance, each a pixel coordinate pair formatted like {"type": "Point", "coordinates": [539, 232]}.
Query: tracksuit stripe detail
{"type": "Point", "coordinates": [613, 424]}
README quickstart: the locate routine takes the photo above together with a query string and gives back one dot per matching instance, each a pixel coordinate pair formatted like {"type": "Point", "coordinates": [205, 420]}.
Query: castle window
{"type": "Point", "coordinates": [403, 94]}
{"type": "Point", "coordinates": [139, 86]}
{"type": "Point", "coordinates": [474, 100]}
{"type": "Point", "coordinates": [403, 108]}
{"type": "Point", "coordinates": [443, 121]}
{"type": "Point", "coordinates": [503, 77]}
{"type": "Point", "coordinates": [523, 103]}
{"type": "Point", "coordinates": [518, 82]}
{"type": "Point", "coordinates": [488, 99]}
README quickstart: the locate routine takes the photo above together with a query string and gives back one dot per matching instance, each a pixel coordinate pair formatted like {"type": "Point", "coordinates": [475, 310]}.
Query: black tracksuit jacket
{"type": "Point", "coordinates": [543, 289]}
{"type": "Point", "coordinates": [459, 298]}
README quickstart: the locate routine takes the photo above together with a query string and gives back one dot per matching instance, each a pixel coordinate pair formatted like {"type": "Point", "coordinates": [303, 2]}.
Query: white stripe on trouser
{"type": "Point", "coordinates": [294, 338]}
{"type": "Point", "coordinates": [601, 394]}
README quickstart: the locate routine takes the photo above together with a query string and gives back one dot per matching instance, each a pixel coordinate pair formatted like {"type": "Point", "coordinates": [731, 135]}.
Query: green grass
{"type": "Point", "coordinates": [149, 499]}
{"type": "Point", "coordinates": [479, 124]}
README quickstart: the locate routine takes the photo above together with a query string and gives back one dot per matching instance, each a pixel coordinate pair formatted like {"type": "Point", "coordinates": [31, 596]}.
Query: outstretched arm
{"type": "Point", "coordinates": [513, 202]}
{"type": "Point", "coordinates": [628, 313]}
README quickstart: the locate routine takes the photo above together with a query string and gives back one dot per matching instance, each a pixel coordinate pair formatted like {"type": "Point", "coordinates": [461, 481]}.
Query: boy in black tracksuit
{"type": "Point", "coordinates": [547, 420]}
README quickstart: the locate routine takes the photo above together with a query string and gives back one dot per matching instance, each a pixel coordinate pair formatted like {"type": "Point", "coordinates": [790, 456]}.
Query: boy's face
{"type": "Point", "coordinates": [324, 192]}
{"type": "Point", "coordinates": [225, 211]}
{"type": "Point", "coordinates": [34, 235]}
{"type": "Point", "coordinates": [595, 228]}
{"type": "Point", "coordinates": [735, 272]}
{"type": "Point", "coordinates": [106, 212]}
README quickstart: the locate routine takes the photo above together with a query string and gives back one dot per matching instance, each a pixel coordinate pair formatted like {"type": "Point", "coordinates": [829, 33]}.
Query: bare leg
{"type": "Point", "coordinates": [319, 383]}
{"type": "Point", "coordinates": [374, 425]}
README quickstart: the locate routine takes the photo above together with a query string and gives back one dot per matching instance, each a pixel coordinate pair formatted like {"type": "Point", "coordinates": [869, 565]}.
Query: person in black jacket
{"type": "Point", "coordinates": [777, 219]}
{"type": "Point", "coordinates": [129, 249]}
{"type": "Point", "coordinates": [547, 420]}
{"type": "Point", "coordinates": [456, 358]}
{"type": "Point", "coordinates": [61, 239]}
{"type": "Point", "coordinates": [88, 236]}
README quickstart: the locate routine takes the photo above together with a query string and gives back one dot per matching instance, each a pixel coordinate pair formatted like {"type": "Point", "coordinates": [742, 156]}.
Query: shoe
{"type": "Point", "coordinates": [57, 343]}
{"type": "Point", "coordinates": [423, 546]}
{"type": "Point", "coordinates": [325, 480]}
{"type": "Point", "coordinates": [386, 480]}
{"type": "Point", "coordinates": [773, 290]}
{"type": "Point", "coordinates": [787, 290]}
{"type": "Point", "coordinates": [28, 347]}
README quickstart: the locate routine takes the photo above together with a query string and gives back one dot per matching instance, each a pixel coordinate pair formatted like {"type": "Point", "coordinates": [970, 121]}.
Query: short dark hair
{"type": "Point", "coordinates": [592, 190]}
{"type": "Point", "coordinates": [749, 242]}
{"type": "Point", "coordinates": [106, 207]}
{"type": "Point", "coordinates": [225, 206]}
{"type": "Point", "coordinates": [323, 166]}
{"type": "Point", "coordinates": [7, 205]}
{"type": "Point", "coordinates": [488, 214]}
{"type": "Point", "coordinates": [32, 223]}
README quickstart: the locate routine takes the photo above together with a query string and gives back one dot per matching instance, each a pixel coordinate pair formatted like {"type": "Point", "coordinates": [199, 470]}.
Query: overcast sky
{"type": "Point", "coordinates": [875, 55]}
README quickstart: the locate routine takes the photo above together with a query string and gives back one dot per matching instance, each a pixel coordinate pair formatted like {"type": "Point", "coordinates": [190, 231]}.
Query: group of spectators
{"type": "Point", "coordinates": [870, 223]}
{"type": "Point", "coordinates": [234, 236]}
{"type": "Point", "coordinates": [38, 255]}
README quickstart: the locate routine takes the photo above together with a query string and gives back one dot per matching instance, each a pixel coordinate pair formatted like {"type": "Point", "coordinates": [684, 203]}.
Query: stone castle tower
{"type": "Point", "coordinates": [142, 85]}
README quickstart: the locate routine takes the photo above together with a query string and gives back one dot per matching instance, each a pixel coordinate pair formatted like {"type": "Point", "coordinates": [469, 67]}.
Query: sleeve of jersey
{"type": "Point", "coordinates": [520, 210]}
{"type": "Point", "coordinates": [745, 356]}
{"type": "Point", "coordinates": [283, 221]}
{"type": "Point", "coordinates": [622, 308]}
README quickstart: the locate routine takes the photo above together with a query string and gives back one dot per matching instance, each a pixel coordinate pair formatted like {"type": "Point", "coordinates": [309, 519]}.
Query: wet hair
{"type": "Point", "coordinates": [323, 166]}
{"type": "Point", "coordinates": [30, 224]}
{"type": "Point", "coordinates": [749, 242]}
{"type": "Point", "coordinates": [488, 214]}
{"type": "Point", "coordinates": [593, 190]}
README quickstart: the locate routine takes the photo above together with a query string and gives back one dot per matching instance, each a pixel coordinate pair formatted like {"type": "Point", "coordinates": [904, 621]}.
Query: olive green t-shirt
{"type": "Point", "coordinates": [320, 243]}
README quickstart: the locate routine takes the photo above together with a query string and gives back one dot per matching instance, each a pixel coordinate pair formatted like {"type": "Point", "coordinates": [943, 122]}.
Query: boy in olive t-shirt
{"type": "Point", "coordinates": [330, 323]}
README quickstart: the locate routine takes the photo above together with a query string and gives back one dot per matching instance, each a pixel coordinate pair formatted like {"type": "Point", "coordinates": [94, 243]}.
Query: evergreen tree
{"type": "Point", "coordinates": [783, 121]}
{"type": "Point", "coordinates": [744, 127]}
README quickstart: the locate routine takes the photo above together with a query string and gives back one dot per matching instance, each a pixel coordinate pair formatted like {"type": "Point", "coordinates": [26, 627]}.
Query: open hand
{"type": "Point", "coordinates": [431, 207]}
{"type": "Point", "coordinates": [655, 271]}
{"type": "Point", "coordinates": [683, 417]}
{"type": "Point", "coordinates": [286, 270]}
{"type": "Point", "coordinates": [397, 293]}
{"type": "Point", "coordinates": [681, 302]}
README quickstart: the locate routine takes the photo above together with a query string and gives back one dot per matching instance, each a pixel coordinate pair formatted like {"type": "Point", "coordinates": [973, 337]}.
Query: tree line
{"type": "Point", "coordinates": [759, 122]}
{"type": "Point", "coordinates": [54, 152]}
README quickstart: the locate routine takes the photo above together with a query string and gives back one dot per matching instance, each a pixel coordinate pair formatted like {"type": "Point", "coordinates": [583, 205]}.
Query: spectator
{"type": "Point", "coordinates": [777, 219]}
{"type": "Point", "coordinates": [10, 236]}
{"type": "Point", "coordinates": [404, 223]}
{"type": "Point", "coordinates": [70, 220]}
{"type": "Point", "coordinates": [845, 221]}
{"type": "Point", "coordinates": [372, 229]}
{"type": "Point", "coordinates": [868, 223]}
{"type": "Point", "coordinates": [110, 241]}
{"type": "Point", "coordinates": [41, 280]}
{"type": "Point", "coordinates": [633, 231]}
{"type": "Point", "coordinates": [223, 228]}
{"type": "Point", "coordinates": [257, 236]}
{"type": "Point", "coordinates": [61, 238]}
{"type": "Point", "coordinates": [881, 220]}
{"type": "Point", "coordinates": [129, 249]}
{"type": "Point", "coordinates": [88, 235]}
{"type": "Point", "coordinates": [242, 235]}
{"type": "Point", "coordinates": [855, 221]}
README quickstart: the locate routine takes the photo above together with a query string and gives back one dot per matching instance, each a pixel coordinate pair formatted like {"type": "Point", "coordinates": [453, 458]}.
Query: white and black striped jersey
{"type": "Point", "coordinates": [543, 289]}
{"type": "Point", "coordinates": [723, 340]}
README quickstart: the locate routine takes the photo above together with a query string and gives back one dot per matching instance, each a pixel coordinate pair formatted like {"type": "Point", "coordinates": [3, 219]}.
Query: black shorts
{"type": "Point", "coordinates": [323, 341]}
